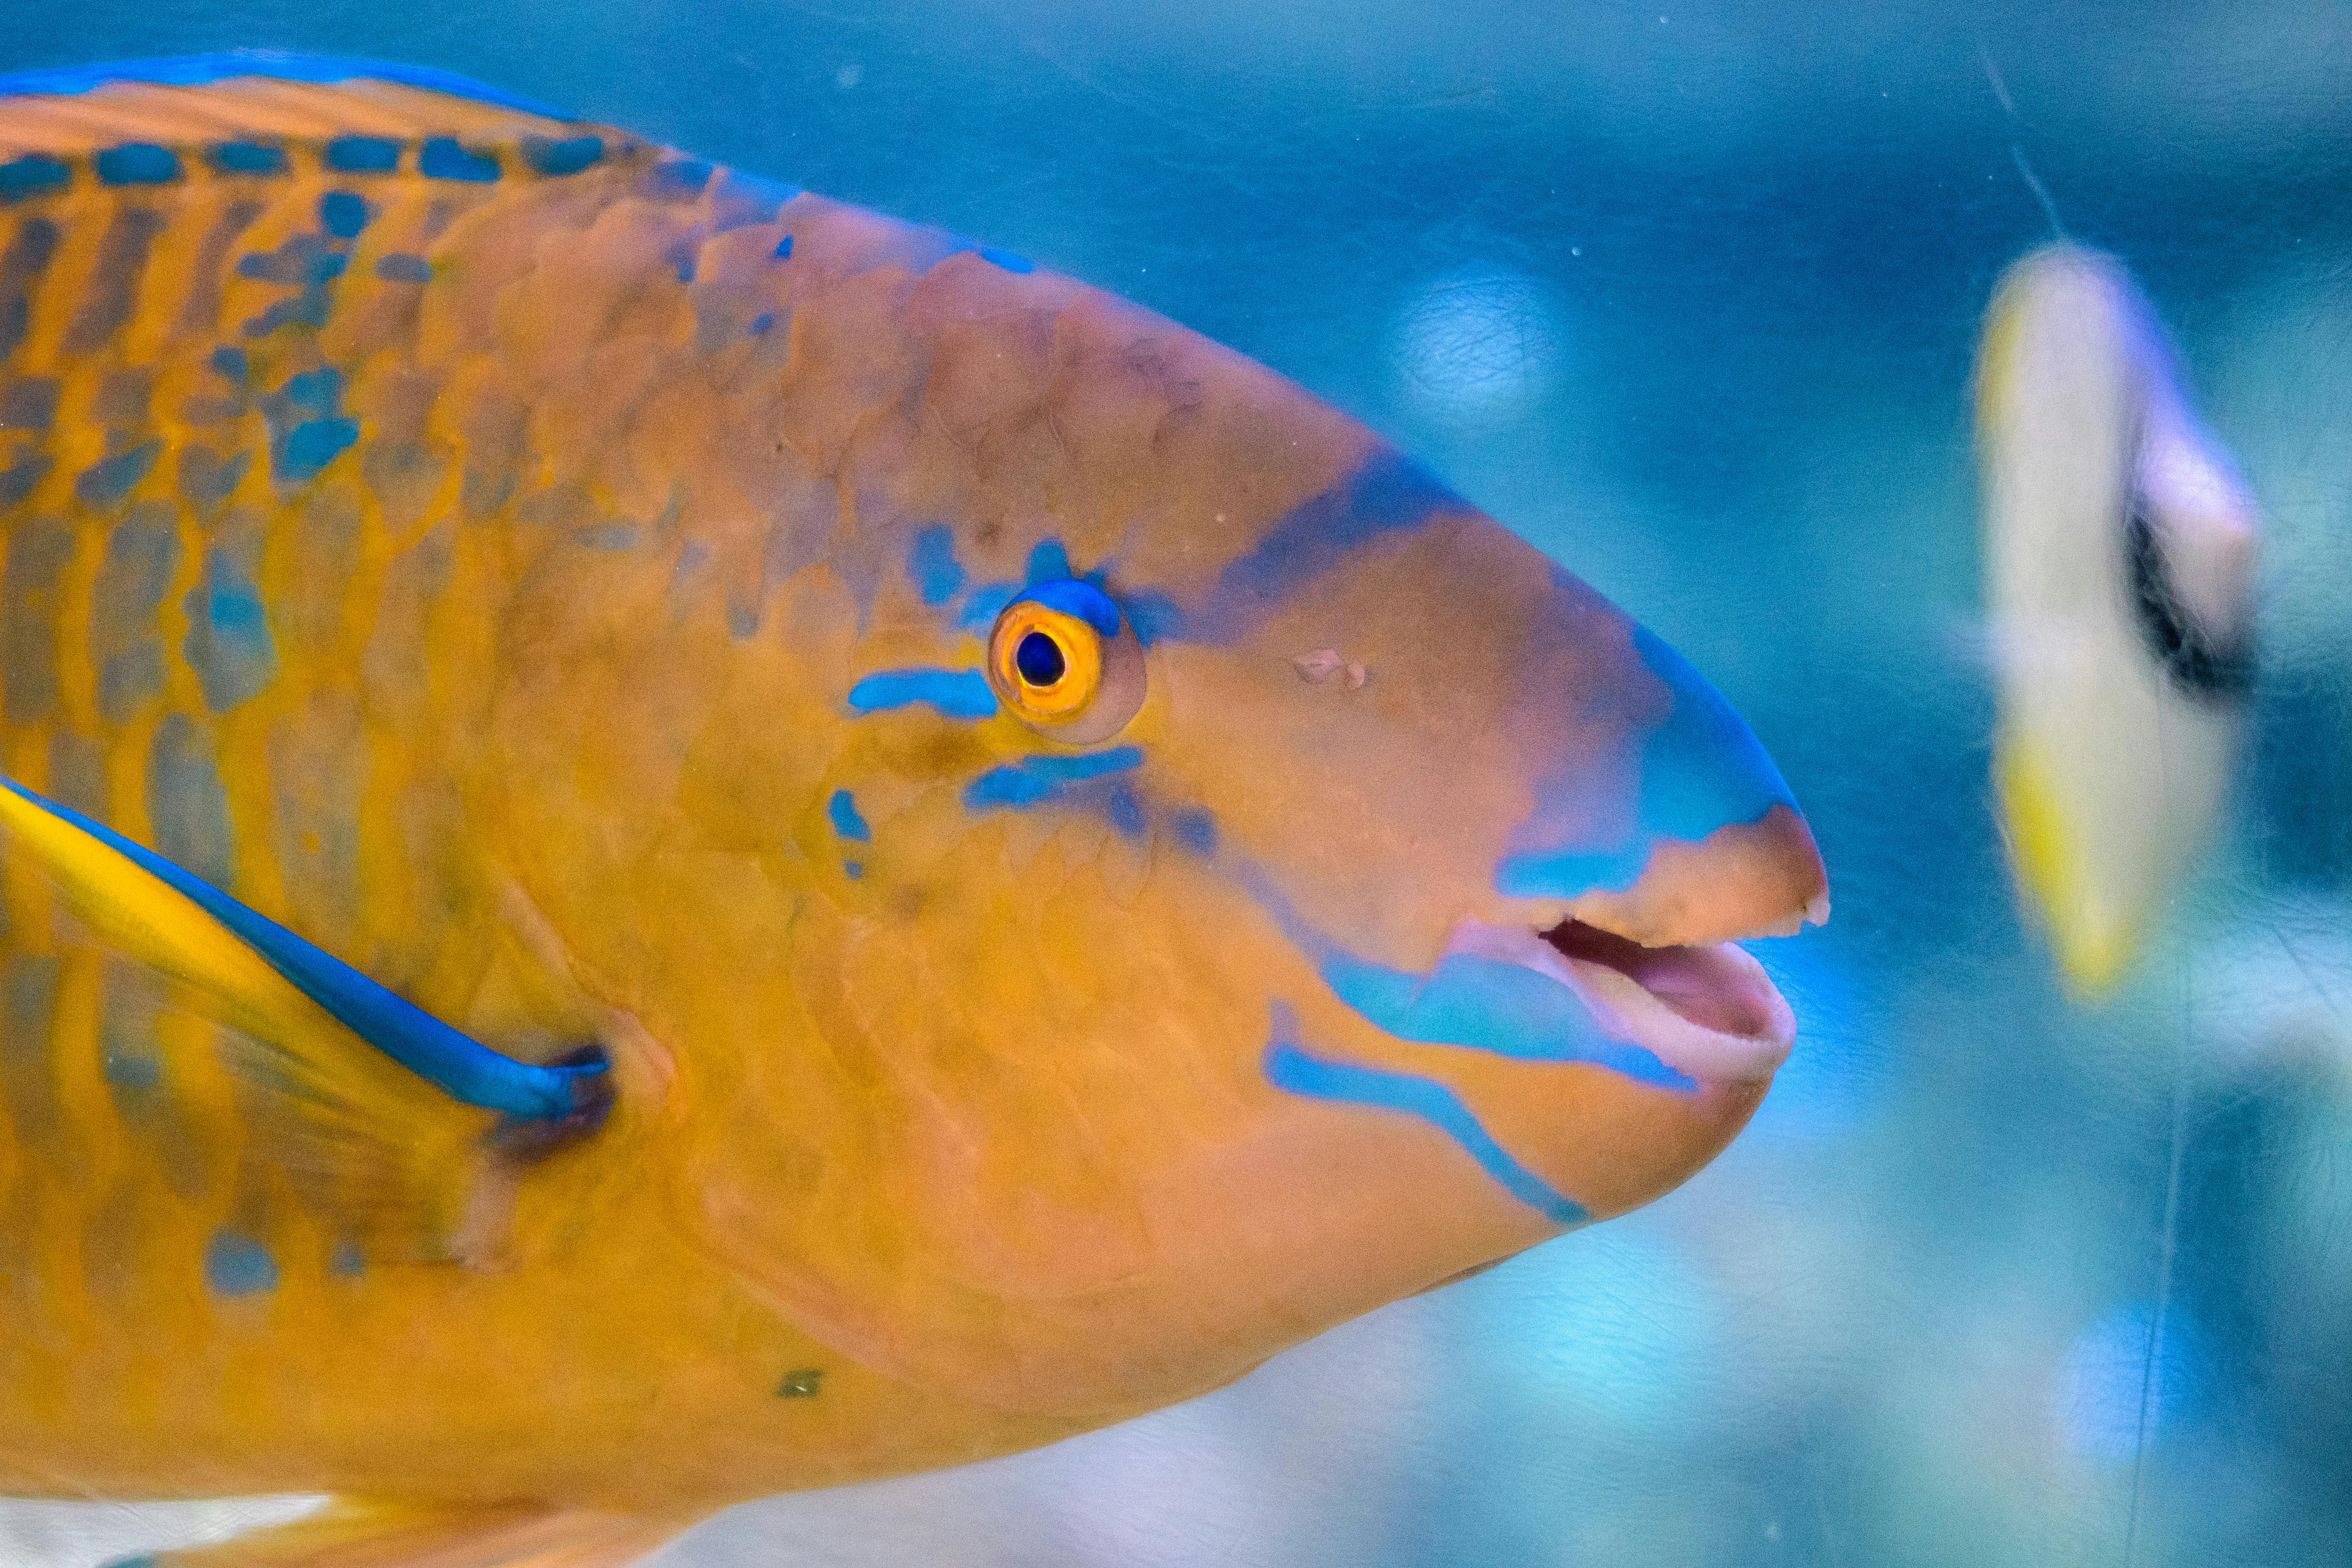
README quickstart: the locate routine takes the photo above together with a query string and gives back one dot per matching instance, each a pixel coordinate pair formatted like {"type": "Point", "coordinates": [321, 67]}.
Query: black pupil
{"type": "Point", "coordinates": [1039, 660]}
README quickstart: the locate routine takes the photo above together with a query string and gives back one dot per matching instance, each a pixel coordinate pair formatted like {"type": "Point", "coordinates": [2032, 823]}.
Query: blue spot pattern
{"type": "Point", "coordinates": [1294, 1071]}
{"type": "Point", "coordinates": [1702, 769]}
{"type": "Point", "coordinates": [362, 155]}
{"type": "Point", "coordinates": [343, 214]}
{"type": "Point", "coordinates": [442, 158]}
{"type": "Point", "coordinates": [1034, 780]}
{"type": "Point", "coordinates": [245, 158]}
{"type": "Point", "coordinates": [228, 642]}
{"type": "Point", "coordinates": [401, 268]}
{"type": "Point", "coordinates": [677, 179]}
{"type": "Point", "coordinates": [783, 246]}
{"type": "Point", "coordinates": [231, 362]}
{"type": "Point", "coordinates": [843, 809]}
{"type": "Point", "coordinates": [109, 480]}
{"type": "Point", "coordinates": [32, 176]}
{"type": "Point", "coordinates": [569, 156]}
{"type": "Point", "coordinates": [956, 693]}
{"type": "Point", "coordinates": [932, 562]}
{"type": "Point", "coordinates": [196, 71]}
{"type": "Point", "coordinates": [460, 1066]}
{"type": "Point", "coordinates": [239, 1266]}
{"type": "Point", "coordinates": [306, 428]}
{"type": "Point", "coordinates": [137, 164]}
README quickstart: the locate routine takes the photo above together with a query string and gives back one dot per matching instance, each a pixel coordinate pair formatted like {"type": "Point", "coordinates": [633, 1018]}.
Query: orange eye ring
{"type": "Point", "coordinates": [1045, 664]}
{"type": "Point", "coordinates": [1066, 662]}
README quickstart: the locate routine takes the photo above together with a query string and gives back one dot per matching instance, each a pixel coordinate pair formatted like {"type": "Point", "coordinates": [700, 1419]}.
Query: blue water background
{"type": "Point", "coordinates": [1688, 295]}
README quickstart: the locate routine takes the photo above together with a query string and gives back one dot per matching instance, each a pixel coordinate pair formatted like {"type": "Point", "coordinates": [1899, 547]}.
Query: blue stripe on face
{"type": "Point", "coordinates": [1475, 1003]}
{"type": "Point", "coordinates": [461, 1067]}
{"type": "Point", "coordinates": [1703, 769]}
{"type": "Point", "coordinates": [1485, 1005]}
{"type": "Point", "coordinates": [1034, 780]}
{"type": "Point", "coordinates": [1294, 1071]}
{"type": "Point", "coordinates": [1389, 492]}
{"type": "Point", "coordinates": [956, 693]}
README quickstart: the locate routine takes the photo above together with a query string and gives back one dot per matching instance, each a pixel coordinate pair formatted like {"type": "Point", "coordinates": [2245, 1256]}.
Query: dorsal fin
{"type": "Point", "coordinates": [257, 97]}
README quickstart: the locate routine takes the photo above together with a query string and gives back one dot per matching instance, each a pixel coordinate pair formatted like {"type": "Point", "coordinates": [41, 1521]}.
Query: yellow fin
{"type": "Point", "coordinates": [393, 1126]}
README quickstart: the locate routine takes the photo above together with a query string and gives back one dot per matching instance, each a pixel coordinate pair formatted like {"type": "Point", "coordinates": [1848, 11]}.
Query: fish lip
{"type": "Point", "coordinates": [1706, 1010]}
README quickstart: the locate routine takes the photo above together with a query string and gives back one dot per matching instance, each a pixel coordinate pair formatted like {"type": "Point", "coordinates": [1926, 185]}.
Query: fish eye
{"type": "Point", "coordinates": [1067, 663]}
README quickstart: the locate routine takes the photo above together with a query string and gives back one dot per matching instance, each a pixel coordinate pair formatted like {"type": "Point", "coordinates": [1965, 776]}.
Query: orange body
{"type": "Point", "coordinates": [473, 544]}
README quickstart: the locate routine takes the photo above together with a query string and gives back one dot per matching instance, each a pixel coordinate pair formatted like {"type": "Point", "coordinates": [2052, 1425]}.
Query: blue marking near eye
{"type": "Point", "coordinates": [1154, 615]}
{"type": "Point", "coordinates": [362, 155]}
{"type": "Point", "coordinates": [1083, 600]}
{"type": "Point", "coordinates": [762, 324]}
{"type": "Point", "coordinates": [245, 158]}
{"type": "Point", "coordinates": [137, 164]}
{"type": "Point", "coordinates": [843, 809]}
{"type": "Point", "coordinates": [1195, 829]}
{"type": "Point", "coordinates": [239, 1266]}
{"type": "Point", "coordinates": [986, 603]}
{"type": "Point", "coordinates": [784, 249]}
{"type": "Point", "coordinates": [343, 214]}
{"type": "Point", "coordinates": [444, 159]}
{"type": "Point", "coordinates": [1292, 1070]}
{"type": "Point", "coordinates": [956, 693]}
{"type": "Point", "coordinates": [1049, 562]}
{"type": "Point", "coordinates": [32, 176]}
{"type": "Point", "coordinates": [1124, 810]}
{"type": "Point", "coordinates": [1702, 769]}
{"type": "Point", "coordinates": [932, 562]}
{"type": "Point", "coordinates": [197, 70]}
{"type": "Point", "coordinates": [1387, 493]}
{"type": "Point", "coordinates": [1009, 260]}
{"type": "Point", "coordinates": [559, 158]}
{"type": "Point", "coordinates": [398, 268]}
{"type": "Point", "coordinates": [460, 1066]}
{"type": "Point", "coordinates": [1035, 779]}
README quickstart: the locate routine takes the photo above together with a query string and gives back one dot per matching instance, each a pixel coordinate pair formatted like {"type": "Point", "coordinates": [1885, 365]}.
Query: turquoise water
{"type": "Point", "coordinates": [1689, 296]}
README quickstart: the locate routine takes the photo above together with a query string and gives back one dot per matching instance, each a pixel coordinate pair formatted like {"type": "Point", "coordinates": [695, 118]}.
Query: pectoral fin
{"type": "Point", "coordinates": [355, 1087]}
{"type": "Point", "coordinates": [399, 1535]}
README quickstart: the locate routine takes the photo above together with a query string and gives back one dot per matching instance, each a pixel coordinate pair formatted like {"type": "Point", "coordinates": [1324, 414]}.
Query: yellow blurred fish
{"type": "Point", "coordinates": [2120, 551]}
{"type": "Point", "coordinates": [664, 840]}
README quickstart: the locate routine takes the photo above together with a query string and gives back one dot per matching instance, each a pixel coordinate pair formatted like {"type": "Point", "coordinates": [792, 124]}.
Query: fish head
{"type": "Point", "coordinates": [1178, 875]}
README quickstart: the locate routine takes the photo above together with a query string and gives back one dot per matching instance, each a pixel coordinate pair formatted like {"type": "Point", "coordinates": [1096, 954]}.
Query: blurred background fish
{"type": "Point", "coordinates": [2120, 551]}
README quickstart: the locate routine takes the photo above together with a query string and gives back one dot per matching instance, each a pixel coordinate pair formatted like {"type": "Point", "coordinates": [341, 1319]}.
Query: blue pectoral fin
{"type": "Point", "coordinates": [279, 988]}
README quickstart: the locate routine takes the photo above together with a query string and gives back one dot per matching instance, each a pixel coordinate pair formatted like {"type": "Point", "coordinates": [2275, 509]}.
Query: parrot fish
{"type": "Point", "coordinates": [664, 840]}
{"type": "Point", "coordinates": [2120, 549]}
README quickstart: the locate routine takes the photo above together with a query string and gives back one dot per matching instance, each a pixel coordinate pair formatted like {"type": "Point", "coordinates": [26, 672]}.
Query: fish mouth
{"type": "Point", "coordinates": [1706, 1010]}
